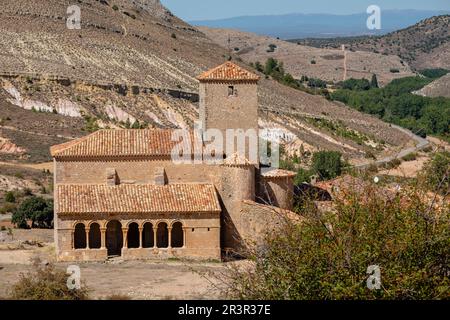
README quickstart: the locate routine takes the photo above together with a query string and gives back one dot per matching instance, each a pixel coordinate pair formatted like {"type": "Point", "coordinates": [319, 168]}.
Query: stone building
{"type": "Point", "coordinates": [118, 192]}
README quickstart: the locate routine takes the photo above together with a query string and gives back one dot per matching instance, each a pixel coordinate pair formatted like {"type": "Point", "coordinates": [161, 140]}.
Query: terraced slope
{"type": "Point", "coordinates": [134, 61]}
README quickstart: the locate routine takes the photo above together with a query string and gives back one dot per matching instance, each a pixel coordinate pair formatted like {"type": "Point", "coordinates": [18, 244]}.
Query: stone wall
{"type": "Point", "coordinates": [258, 220]}
{"type": "Point", "coordinates": [277, 191]}
{"type": "Point", "coordinates": [201, 236]}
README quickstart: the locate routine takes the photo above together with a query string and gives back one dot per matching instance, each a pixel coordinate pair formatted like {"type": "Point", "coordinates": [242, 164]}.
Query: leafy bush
{"type": "Point", "coordinates": [327, 164]}
{"type": "Point", "coordinates": [46, 283]}
{"type": "Point", "coordinates": [355, 84]}
{"type": "Point", "coordinates": [396, 104]}
{"type": "Point", "coordinates": [36, 209]}
{"type": "Point", "coordinates": [437, 173]}
{"type": "Point", "coordinates": [410, 157]}
{"type": "Point", "coordinates": [10, 197]}
{"type": "Point", "coordinates": [303, 176]}
{"type": "Point", "coordinates": [394, 70]}
{"type": "Point", "coordinates": [327, 256]}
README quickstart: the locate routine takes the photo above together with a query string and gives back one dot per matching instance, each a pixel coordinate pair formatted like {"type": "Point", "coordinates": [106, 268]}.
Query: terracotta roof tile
{"type": "Point", "coordinates": [175, 198]}
{"type": "Point", "coordinates": [228, 72]}
{"type": "Point", "coordinates": [110, 143]}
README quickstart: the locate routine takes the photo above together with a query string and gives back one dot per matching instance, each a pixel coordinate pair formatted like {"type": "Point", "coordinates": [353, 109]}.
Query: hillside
{"type": "Point", "coordinates": [438, 88]}
{"type": "Point", "coordinates": [134, 64]}
{"type": "Point", "coordinates": [423, 45]}
{"type": "Point", "coordinates": [299, 60]}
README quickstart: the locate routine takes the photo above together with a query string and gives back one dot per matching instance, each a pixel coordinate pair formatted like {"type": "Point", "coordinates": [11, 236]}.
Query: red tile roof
{"type": "Point", "coordinates": [128, 199]}
{"type": "Point", "coordinates": [123, 143]}
{"type": "Point", "coordinates": [228, 72]}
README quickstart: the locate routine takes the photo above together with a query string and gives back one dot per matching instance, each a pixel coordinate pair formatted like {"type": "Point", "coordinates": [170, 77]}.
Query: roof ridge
{"type": "Point", "coordinates": [228, 71]}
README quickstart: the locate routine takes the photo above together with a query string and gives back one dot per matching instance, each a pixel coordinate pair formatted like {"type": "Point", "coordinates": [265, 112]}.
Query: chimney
{"type": "Point", "coordinates": [160, 176]}
{"type": "Point", "coordinates": [111, 177]}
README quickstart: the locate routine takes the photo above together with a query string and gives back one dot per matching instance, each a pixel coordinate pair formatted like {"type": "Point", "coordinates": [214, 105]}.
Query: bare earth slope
{"type": "Point", "coordinates": [138, 62]}
{"type": "Point", "coordinates": [424, 45]}
{"type": "Point", "coordinates": [438, 88]}
{"type": "Point", "coordinates": [298, 59]}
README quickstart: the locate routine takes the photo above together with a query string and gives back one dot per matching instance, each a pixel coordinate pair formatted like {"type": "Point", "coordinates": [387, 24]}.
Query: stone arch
{"type": "Point", "coordinates": [114, 238]}
{"type": "Point", "coordinates": [162, 235]}
{"type": "Point", "coordinates": [177, 236]}
{"type": "Point", "coordinates": [133, 235]}
{"type": "Point", "coordinates": [79, 237]}
{"type": "Point", "coordinates": [95, 236]}
{"type": "Point", "coordinates": [148, 235]}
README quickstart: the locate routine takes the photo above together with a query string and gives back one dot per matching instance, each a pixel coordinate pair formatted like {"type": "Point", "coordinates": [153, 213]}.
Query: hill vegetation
{"type": "Point", "coordinates": [395, 103]}
{"type": "Point", "coordinates": [423, 45]}
{"type": "Point", "coordinates": [331, 254]}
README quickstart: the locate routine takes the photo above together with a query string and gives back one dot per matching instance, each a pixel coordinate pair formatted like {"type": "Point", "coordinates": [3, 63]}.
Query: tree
{"type": "Point", "coordinates": [36, 209]}
{"type": "Point", "coordinates": [327, 164]}
{"type": "Point", "coordinates": [437, 173]}
{"type": "Point", "coordinates": [327, 255]}
{"type": "Point", "coordinates": [10, 197]}
{"type": "Point", "coordinates": [271, 64]}
{"type": "Point", "coordinates": [374, 81]}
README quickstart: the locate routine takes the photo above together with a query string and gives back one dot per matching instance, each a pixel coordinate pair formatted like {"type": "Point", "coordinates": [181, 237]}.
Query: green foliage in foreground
{"type": "Point", "coordinates": [327, 255]}
{"type": "Point", "coordinates": [437, 173]}
{"type": "Point", "coordinates": [327, 164]}
{"type": "Point", "coordinates": [46, 283]}
{"type": "Point", "coordinates": [396, 104]}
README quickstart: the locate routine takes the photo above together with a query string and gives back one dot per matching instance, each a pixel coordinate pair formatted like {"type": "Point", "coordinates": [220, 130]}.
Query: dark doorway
{"type": "Point", "coordinates": [95, 237]}
{"type": "Point", "coordinates": [133, 235]}
{"type": "Point", "coordinates": [80, 236]}
{"type": "Point", "coordinates": [148, 240]}
{"type": "Point", "coordinates": [114, 238]}
{"type": "Point", "coordinates": [177, 235]}
{"type": "Point", "coordinates": [162, 236]}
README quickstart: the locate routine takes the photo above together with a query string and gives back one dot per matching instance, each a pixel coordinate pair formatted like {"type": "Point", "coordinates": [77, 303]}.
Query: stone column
{"type": "Point", "coordinates": [103, 238]}
{"type": "Point", "coordinates": [140, 237]}
{"type": "Point", "coordinates": [184, 237]}
{"type": "Point", "coordinates": [169, 245]}
{"type": "Point", "coordinates": [87, 238]}
{"type": "Point", "coordinates": [155, 231]}
{"type": "Point", "coordinates": [73, 238]}
{"type": "Point", "coordinates": [125, 237]}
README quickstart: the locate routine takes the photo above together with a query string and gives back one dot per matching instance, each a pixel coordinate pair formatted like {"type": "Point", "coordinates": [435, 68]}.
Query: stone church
{"type": "Point", "coordinates": [118, 192]}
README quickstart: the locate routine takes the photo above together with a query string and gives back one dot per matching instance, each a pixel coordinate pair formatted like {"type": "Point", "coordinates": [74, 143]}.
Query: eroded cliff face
{"type": "Point", "coordinates": [134, 63]}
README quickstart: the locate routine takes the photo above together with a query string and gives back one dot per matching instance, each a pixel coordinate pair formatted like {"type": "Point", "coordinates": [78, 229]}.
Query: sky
{"type": "Point", "coordinates": [217, 9]}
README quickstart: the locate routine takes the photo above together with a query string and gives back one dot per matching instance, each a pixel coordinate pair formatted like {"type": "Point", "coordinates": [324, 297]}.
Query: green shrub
{"type": "Point", "coordinates": [10, 197]}
{"type": "Point", "coordinates": [46, 283]}
{"type": "Point", "coordinates": [326, 257]}
{"type": "Point", "coordinates": [36, 209]}
{"type": "Point", "coordinates": [410, 157]}
{"type": "Point", "coordinates": [436, 173]}
{"type": "Point", "coordinates": [327, 164]}
{"type": "Point", "coordinates": [115, 8]}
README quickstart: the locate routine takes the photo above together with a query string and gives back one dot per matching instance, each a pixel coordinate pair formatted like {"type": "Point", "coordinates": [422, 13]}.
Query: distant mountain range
{"type": "Point", "coordinates": [298, 26]}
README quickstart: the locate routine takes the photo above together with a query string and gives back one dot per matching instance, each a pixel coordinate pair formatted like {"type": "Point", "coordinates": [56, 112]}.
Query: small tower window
{"type": "Point", "coordinates": [232, 91]}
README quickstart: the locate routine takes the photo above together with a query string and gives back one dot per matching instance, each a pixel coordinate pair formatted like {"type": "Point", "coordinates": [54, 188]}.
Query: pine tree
{"type": "Point", "coordinates": [374, 82]}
